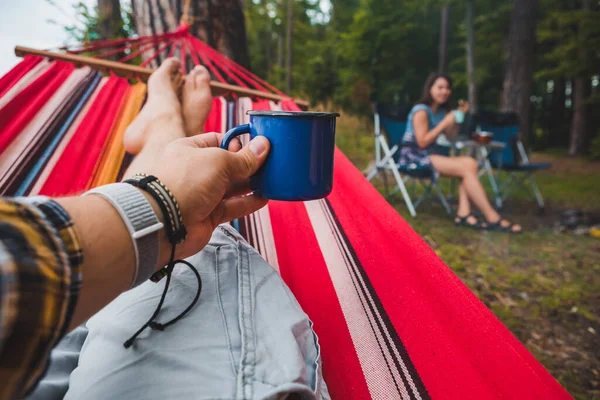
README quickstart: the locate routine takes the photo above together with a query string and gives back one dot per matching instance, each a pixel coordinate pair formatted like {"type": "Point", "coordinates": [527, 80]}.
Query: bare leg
{"type": "Point", "coordinates": [464, 206]}
{"type": "Point", "coordinates": [466, 168]}
{"type": "Point", "coordinates": [161, 120]}
{"type": "Point", "coordinates": [162, 105]}
{"type": "Point", "coordinates": [197, 100]}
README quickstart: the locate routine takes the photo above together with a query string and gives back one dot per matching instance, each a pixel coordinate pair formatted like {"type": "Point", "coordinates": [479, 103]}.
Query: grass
{"type": "Point", "coordinates": [544, 286]}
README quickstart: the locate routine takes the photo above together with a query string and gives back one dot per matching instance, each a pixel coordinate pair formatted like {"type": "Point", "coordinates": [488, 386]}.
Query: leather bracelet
{"type": "Point", "coordinates": [176, 231]}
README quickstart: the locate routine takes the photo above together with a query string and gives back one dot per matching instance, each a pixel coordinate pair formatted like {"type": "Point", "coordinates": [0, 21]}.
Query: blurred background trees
{"type": "Point", "coordinates": [539, 58]}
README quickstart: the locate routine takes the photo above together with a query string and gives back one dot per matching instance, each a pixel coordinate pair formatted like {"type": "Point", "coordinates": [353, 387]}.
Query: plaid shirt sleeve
{"type": "Point", "coordinates": [40, 279]}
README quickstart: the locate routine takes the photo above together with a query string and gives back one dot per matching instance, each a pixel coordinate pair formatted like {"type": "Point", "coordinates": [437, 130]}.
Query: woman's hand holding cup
{"type": "Point", "coordinates": [459, 113]}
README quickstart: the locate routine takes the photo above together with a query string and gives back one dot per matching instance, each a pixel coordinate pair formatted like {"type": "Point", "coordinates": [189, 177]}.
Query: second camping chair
{"type": "Point", "coordinates": [393, 119]}
{"type": "Point", "coordinates": [513, 158]}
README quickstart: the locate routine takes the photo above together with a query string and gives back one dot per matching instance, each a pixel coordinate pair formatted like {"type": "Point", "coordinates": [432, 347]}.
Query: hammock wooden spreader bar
{"type": "Point", "coordinates": [128, 70]}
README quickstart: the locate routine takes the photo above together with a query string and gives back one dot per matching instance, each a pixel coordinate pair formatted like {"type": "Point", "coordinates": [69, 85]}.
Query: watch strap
{"type": "Point", "coordinates": [141, 222]}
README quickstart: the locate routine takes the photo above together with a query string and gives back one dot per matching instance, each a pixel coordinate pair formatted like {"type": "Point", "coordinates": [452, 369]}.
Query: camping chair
{"type": "Point", "coordinates": [513, 159]}
{"type": "Point", "coordinates": [393, 119]}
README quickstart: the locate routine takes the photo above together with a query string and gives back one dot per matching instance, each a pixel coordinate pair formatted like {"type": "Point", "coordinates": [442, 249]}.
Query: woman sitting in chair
{"type": "Point", "coordinates": [426, 121]}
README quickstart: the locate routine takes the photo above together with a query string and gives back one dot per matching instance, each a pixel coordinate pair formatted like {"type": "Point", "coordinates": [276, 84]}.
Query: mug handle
{"type": "Point", "coordinates": [232, 133]}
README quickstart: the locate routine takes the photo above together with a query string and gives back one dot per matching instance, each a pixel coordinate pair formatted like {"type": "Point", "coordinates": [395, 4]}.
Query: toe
{"type": "Point", "coordinates": [172, 65]}
{"type": "Point", "coordinates": [190, 82]}
{"type": "Point", "coordinates": [167, 69]}
{"type": "Point", "coordinates": [164, 74]}
{"type": "Point", "coordinates": [201, 77]}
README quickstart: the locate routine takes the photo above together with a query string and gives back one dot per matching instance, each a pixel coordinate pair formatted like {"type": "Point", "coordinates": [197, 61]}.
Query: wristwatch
{"type": "Point", "coordinates": [141, 222]}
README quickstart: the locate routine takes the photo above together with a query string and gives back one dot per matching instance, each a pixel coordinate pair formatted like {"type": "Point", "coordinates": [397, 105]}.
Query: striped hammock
{"type": "Point", "coordinates": [394, 322]}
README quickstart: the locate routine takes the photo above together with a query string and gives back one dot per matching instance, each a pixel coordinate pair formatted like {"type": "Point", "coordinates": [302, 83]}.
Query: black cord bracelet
{"type": "Point", "coordinates": [169, 206]}
{"type": "Point", "coordinates": [176, 233]}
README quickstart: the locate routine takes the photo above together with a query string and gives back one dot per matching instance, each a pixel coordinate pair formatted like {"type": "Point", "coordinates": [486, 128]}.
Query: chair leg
{"type": "Point", "coordinates": [536, 191]}
{"type": "Point", "coordinates": [424, 195]}
{"type": "Point", "coordinates": [400, 183]}
{"type": "Point", "coordinates": [494, 184]}
{"type": "Point", "coordinates": [373, 173]}
{"type": "Point", "coordinates": [440, 194]}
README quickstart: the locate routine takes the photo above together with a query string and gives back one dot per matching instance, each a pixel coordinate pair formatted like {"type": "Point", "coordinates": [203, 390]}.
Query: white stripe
{"type": "Point", "coordinates": [369, 299]}
{"type": "Point", "coordinates": [373, 362]}
{"type": "Point", "coordinates": [263, 241]}
{"type": "Point", "coordinates": [223, 114]}
{"type": "Point", "coordinates": [269, 240]}
{"type": "Point", "coordinates": [22, 83]}
{"type": "Point", "coordinates": [251, 227]}
{"type": "Point", "coordinates": [366, 301]}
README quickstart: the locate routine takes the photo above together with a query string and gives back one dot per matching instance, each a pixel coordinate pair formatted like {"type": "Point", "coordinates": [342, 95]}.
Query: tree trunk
{"type": "Point", "coordinates": [581, 92]}
{"type": "Point", "coordinates": [471, 58]}
{"type": "Point", "coordinates": [579, 124]}
{"type": "Point", "coordinates": [110, 23]}
{"type": "Point", "coordinates": [518, 66]}
{"type": "Point", "coordinates": [443, 48]}
{"type": "Point", "coordinates": [289, 32]}
{"type": "Point", "coordinates": [558, 115]}
{"type": "Point", "coordinates": [219, 23]}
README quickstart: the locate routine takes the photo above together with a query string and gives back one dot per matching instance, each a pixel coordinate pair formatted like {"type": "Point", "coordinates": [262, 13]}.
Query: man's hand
{"type": "Point", "coordinates": [210, 184]}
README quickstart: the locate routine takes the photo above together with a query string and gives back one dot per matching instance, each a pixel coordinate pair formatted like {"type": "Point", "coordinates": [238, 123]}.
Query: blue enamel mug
{"type": "Point", "coordinates": [300, 163]}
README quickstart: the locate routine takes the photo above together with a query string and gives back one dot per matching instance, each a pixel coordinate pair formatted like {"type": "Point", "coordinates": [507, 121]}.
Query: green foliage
{"type": "Point", "coordinates": [381, 53]}
{"type": "Point", "coordinates": [383, 50]}
{"type": "Point", "coordinates": [570, 38]}
{"type": "Point", "coordinates": [375, 49]}
{"type": "Point", "coordinates": [313, 59]}
{"type": "Point", "coordinates": [595, 148]}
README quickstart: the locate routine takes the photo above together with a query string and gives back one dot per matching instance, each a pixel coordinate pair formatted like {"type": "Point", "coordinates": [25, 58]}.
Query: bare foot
{"type": "Point", "coordinates": [196, 100]}
{"type": "Point", "coordinates": [162, 102]}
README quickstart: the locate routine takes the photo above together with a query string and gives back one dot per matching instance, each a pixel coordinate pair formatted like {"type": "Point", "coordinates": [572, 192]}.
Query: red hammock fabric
{"type": "Point", "coordinates": [19, 70]}
{"type": "Point", "coordinates": [15, 115]}
{"type": "Point", "coordinates": [74, 169]}
{"type": "Point", "coordinates": [214, 121]}
{"type": "Point", "coordinates": [260, 104]}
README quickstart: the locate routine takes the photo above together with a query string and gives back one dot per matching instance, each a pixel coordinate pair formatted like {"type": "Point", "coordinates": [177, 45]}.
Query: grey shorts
{"type": "Point", "coordinates": [246, 338]}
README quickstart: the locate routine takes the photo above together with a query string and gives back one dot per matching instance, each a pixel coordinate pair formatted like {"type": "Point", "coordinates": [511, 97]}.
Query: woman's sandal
{"type": "Point", "coordinates": [498, 227]}
{"type": "Point", "coordinates": [463, 221]}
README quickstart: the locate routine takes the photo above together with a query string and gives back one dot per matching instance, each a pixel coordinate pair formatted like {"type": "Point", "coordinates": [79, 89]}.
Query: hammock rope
{"type": "Point", "coordinates": [231, 78]}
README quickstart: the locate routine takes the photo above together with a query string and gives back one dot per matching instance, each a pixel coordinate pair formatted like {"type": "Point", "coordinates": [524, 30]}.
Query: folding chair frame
{"type": "Point", "coordinates": [523, 179]}
{"type": "Point", "coordinates": [385, 163]}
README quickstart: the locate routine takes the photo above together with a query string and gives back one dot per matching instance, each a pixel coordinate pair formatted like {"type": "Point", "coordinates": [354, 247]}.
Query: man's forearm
{"type": "Point", "coordinates": [108, 252]}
